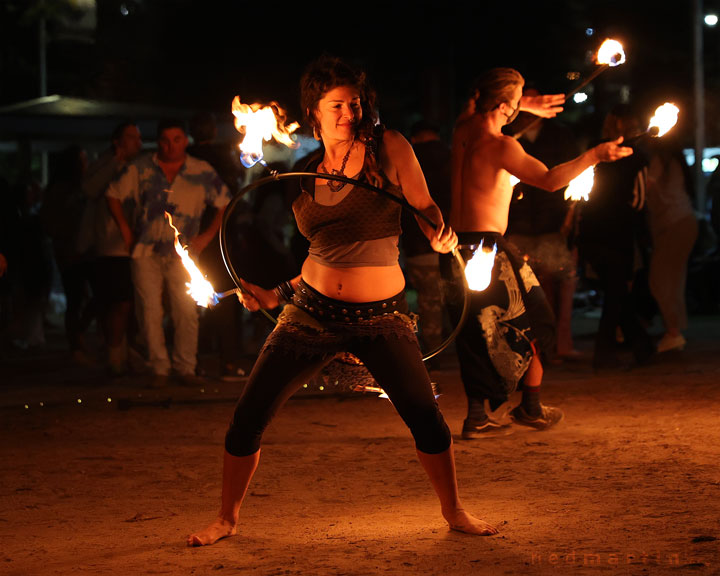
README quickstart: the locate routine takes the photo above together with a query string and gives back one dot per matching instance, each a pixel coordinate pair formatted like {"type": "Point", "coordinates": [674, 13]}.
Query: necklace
{"type": "Point", "coordinates": [336, 185]}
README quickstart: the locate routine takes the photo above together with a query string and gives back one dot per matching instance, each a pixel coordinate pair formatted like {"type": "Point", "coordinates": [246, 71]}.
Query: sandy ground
{"type": "Point", "coordinates": [629, 483]}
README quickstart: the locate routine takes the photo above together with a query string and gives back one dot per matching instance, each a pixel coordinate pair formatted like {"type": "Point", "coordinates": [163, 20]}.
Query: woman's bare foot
{"type": "Point", "coordinates": [463, 522]}
{"type": "Point", "coordinates": [218, 530]}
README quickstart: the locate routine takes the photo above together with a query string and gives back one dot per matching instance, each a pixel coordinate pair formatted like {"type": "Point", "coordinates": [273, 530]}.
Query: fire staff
{"type": "Point", "coordinates": [350, 294]}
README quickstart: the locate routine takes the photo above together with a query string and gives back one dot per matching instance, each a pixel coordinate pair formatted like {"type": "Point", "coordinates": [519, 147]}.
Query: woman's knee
{"type": "Point", "coordinates": [430, 431]}
{"type": "Point", "coordinates": [244, 435]}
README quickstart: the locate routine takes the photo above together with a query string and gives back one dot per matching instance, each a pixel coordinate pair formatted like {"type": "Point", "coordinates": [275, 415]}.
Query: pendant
{"type": "Point", "coordinates": [336, 185]}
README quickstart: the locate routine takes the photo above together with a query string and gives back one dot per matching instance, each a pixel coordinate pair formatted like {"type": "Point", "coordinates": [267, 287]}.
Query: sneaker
{"type": "Point", "coordinates": [473, 429]}
{"type": "Point", "coordinates": [668, 343]}
{"type": "Point", "coordinates": [501, 415]}
{"type": "Point", "coordinates": [549, 417]}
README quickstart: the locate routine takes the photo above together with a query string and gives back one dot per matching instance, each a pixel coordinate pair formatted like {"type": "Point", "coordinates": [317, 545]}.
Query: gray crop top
{"type": "Point", "coordinates": [369, 252]}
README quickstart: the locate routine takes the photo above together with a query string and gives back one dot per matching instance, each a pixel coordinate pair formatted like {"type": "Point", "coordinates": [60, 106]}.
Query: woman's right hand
{"type": "Point", "coordinates": [254, 297]}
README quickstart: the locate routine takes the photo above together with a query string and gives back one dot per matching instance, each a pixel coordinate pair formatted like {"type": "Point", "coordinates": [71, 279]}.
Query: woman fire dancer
{"type": "Point", "coordinates": [350, 294]}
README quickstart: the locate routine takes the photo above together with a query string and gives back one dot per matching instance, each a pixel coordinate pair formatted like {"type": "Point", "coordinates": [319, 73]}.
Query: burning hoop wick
{"type": "Point", "coordinates": [261, 123]}
{"type": "Point", "coordinates": [199, 287]}
{"type": "Point", "coordinates": [478, 270]}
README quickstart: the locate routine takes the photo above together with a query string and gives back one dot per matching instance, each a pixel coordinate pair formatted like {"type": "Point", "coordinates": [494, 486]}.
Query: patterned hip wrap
{"type": "Point", "coordinates": [315, 325]}
{"type": "Point", "coordinates": [505, 323]}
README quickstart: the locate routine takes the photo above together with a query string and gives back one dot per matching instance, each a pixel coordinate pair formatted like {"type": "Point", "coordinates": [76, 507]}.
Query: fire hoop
{"type": "Point", "coordinates": [275, 176]}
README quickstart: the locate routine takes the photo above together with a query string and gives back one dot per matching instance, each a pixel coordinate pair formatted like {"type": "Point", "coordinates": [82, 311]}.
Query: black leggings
{"type": "Point", "coordinates": [395, 363]}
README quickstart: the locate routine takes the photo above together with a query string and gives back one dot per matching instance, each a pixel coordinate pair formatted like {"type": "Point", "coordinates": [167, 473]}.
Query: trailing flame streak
{"type": "Point", "coordinates": [666, 116]}
{"type": "Point", "coordinates": [261, 123]}
{"type": "Point", "coordinates": [580, 186]}
{"type": "Point", "coordinates": [611, 53]}
{"type": "Point", "coordinates": [478, 270]}
{"type": "Point", "coordinates": [199, 288]}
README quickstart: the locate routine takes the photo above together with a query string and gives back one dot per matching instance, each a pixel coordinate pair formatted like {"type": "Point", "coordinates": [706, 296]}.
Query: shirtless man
{"type": "Point", "coordinates": [510, 322]}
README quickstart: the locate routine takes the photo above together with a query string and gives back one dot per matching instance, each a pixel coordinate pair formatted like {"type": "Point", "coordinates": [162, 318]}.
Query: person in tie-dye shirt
{"type": "Point", "coordinates": [167, 181]}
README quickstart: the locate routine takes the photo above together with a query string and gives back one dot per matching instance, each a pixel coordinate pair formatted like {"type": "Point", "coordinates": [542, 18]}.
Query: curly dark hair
{"type": "Point", "coordinates": [328, 72]}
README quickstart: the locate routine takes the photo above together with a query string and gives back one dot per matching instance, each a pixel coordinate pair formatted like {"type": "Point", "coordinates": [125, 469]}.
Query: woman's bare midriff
{"type": "Point", "coordinates": [361, 284]}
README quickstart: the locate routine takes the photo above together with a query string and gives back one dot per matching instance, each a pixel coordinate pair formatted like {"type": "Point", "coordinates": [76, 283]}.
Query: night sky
{"type": "Point", "coordinates": [421, 56]}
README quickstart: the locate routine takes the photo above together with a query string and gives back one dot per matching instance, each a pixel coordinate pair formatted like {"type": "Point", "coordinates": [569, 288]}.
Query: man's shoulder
{"type": "Point", "coordinates": [196, 165]}
{"type": "Point", "coordinates": [491, 144]}
{"type": "Point", "coordinates": [141, 163]}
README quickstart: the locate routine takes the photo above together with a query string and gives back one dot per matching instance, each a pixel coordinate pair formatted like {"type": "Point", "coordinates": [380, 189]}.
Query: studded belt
{"type": "Point", "coordinates": [330, 310]}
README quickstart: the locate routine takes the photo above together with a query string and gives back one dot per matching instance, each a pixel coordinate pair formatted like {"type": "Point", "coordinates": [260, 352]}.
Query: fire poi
{"type": "Point", "coordinates": [664, 119]}
{"type": "Point", "coordinates": [478, 270]}
{"type": "Point", "coordinates": [580, 186]}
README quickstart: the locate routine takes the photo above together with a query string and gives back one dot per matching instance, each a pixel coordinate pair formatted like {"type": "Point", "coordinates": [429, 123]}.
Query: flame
{"type": "Point", "coordinates": [611, 53]}
{"type": "Point", "coordinates": [514, 180]}
{"type": "Point", "coordinates": [478, 270]}
{"type": "Point", "coordinates": [580, 186]}
{"type": "Point", "coordinates": [199, 288]}
{"type": "Point", "coordinates": [261, 123]}
{"type": "Point", "coordinates": [666, 116]}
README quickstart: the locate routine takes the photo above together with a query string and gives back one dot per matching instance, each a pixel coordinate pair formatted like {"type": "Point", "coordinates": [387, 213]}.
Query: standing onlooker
{"type": "Point", "coordinates": [30, 264]}
{"type": "Point", "coordinates": [674, 229]}
{"type": "Point", "coordinates": [540, 224]}
{"type": "Point", "coordinates": [9, 228]}
{"type": "Point", "coordinates": [173, 182]}
{"type": "Point", "coordinates": [610, 232]}
{"type": "Point", "coordinates": [62, 211]}
{"type": "Point", "coordinates": [421, 261]}
{"type": "Point", "coordinates": [112, 278]}
{"type": "Point", "coordinates": [222, 323]}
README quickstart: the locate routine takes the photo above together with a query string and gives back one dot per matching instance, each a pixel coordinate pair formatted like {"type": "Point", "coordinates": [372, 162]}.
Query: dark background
{"type": "Point", "coordinates": [421, 56]}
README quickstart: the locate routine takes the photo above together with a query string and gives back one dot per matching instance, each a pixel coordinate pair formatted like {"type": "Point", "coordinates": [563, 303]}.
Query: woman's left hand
{"type": "Point", "coordinates": [444, 240]}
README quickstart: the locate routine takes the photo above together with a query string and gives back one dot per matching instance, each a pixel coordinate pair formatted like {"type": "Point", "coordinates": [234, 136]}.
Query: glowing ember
{"type": "Point", "coordinates": [199, 288]}
{"type": "Point", "coordinates": [666, 116]}
{"type": "Point", "coordinates": [611, 53]}
{"type": "Point", "coordinates": [478, 269]}
{"type": "Point", "coordinates": [261, 123]}
{"type": "Point", "coordinates": [580, 186]}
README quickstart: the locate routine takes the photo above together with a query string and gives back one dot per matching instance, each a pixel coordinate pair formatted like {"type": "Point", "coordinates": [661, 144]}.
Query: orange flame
{"type": "Point", "coordinates": [199, 288]}
{"type": "Point", "coordinates": [611, 53]}
{"type": "Point", "coordinates": [261, 123]}
{"type": "Point", "coordinates": [666, 116]}
{"type": "Point", "coordinates": [580, 186]}
{"type": "Point", "coordinates": [478, 270]}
